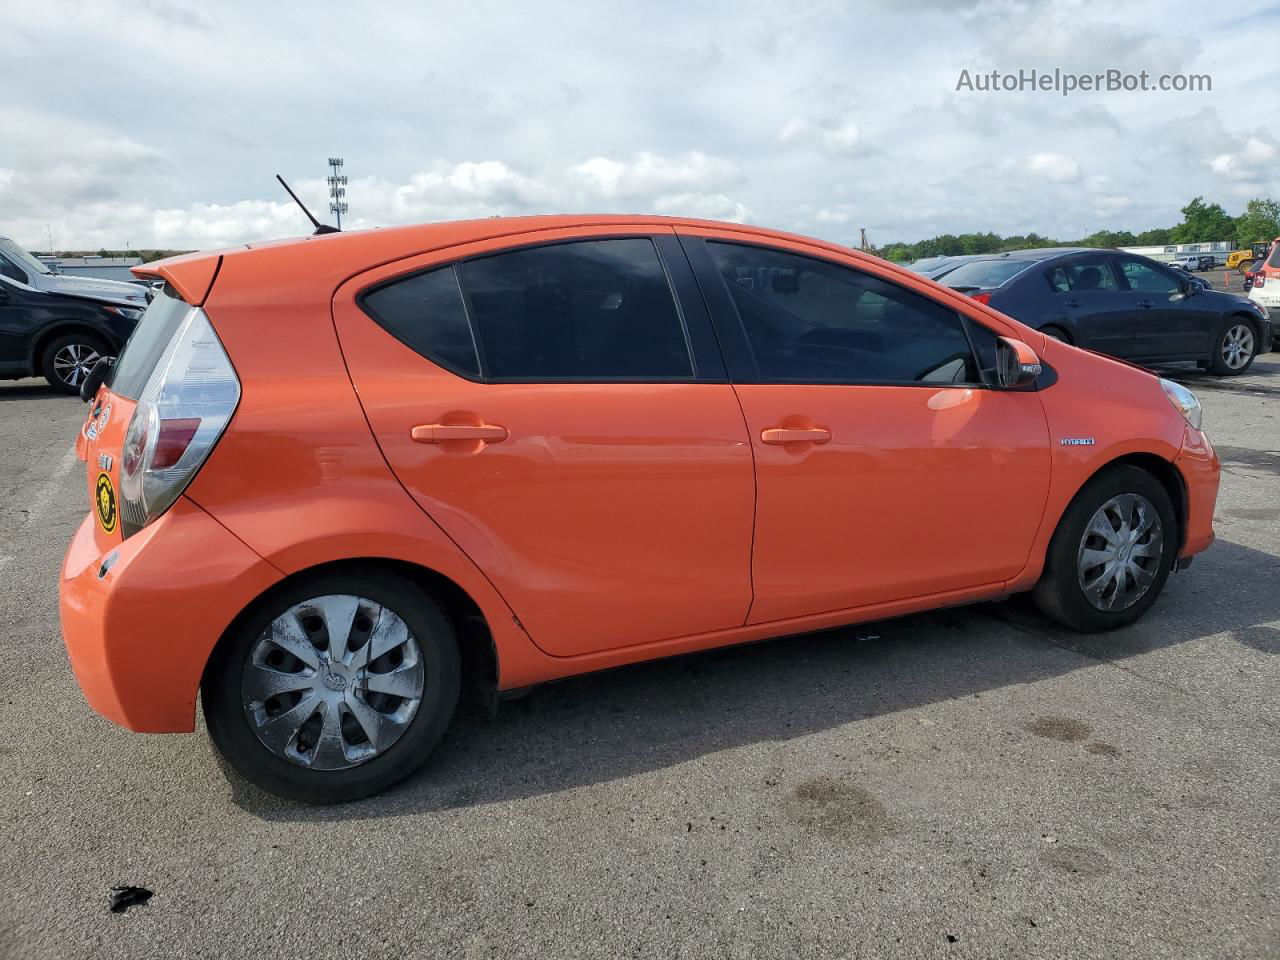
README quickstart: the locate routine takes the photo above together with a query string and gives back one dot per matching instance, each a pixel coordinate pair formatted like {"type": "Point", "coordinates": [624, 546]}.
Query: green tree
{"type": "Point", "coordinates": [1109, 238]}
{"type": "Point", "coordinates": [1259, 223]}
{"type": "Point", "coordinates": [1155, 237]}
{"type": "Point", "coordinates": [1203, 222]}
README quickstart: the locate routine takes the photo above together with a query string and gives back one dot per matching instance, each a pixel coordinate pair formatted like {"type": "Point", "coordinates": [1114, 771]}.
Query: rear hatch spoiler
{"type": "Point", "coordinates": [192, 274]}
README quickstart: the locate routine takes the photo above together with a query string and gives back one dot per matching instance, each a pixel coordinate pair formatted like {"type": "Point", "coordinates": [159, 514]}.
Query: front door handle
{"type": "Point", "coordinates": [1073, 302]}
{"type": "Point", "coordinates": [442, 432]}
{"type": "Point", "coordinates": [795, 435]}
{"type": "Point", "coordinates": [1146, 304]}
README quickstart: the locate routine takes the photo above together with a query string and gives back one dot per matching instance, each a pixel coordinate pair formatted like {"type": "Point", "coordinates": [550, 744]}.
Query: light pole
{"type": "Point", "coordinates": [337, 189]}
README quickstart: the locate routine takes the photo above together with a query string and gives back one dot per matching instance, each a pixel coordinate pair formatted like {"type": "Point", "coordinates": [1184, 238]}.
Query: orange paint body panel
{"type": "Point", "coordinates": [918, 491]}
{"type": "Point", "coordinates": [192, 275]}
{"type": "Point", "coordinates": [139, 636]}
{"type": "Point", "coordinates": [606, 518]}
{"type": "Point", "coordinates": [592, 524]}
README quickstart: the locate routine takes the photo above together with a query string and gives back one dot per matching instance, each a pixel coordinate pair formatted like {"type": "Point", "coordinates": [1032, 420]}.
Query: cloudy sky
{"type": "Point", "coordinates": [160, 123]}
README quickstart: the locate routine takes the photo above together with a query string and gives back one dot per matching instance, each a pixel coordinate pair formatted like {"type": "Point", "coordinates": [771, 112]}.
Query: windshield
{"type": "Point", "coordinates": [21, 257]}
{"type": "Point", "coordinates": [984, 273]}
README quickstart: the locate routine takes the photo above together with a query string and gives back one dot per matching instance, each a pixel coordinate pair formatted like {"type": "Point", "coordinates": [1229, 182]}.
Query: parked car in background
{"type": "Point", "coordinates": [59, 336]}
{"type": "Point", "coordinates": [1265, 290]}
{"type": "Point", "coordinates": [1186, 262]}
{"type": "Point", "coordinates": [935, 267]}
{"type": "Point", "coordinates": [549, 445]}
{"type": "Point", "coordinates": [1120, 304]}
{"type": "Point", "coordinates": [19, 265]}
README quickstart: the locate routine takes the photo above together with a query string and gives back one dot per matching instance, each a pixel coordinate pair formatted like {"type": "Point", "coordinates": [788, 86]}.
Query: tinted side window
{"type": "Point", "coordinates": [1144, 278]}
{"type": "Point", "coordinates": [590, 309]}
{"type": "Point", "coordinates": [809, 320]}
{"type": "Point", "coordinates": [425, 312]}
{"type": "Point", "coordinates": [12, 271]}
{"type": "Point", "coordinates": [1090, 273]}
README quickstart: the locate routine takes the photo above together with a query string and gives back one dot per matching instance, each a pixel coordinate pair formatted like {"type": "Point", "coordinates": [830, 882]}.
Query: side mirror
{"type": "Point", "coordinates": [94, 380]}
{"type": "Point", "coordinates": [1016, 363]}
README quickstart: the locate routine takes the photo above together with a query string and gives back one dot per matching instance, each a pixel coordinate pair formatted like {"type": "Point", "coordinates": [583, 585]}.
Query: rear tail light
{"type": "Point", "coordinates": [1259, 279]}
{"type": "Point", "coordinates": [182, 411]}
{"type": "Point", "coordinates": [982, 297]}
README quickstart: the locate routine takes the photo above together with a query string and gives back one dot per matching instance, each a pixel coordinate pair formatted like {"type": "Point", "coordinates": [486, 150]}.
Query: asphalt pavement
{"type": "Point", "coordinates": [969, 783]}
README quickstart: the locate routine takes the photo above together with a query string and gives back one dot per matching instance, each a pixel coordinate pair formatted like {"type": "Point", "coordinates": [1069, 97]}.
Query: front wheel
{"type": "Point", "coordinates": [1111, 554]}
{"type": "Point", "coordinates": [1234, 348]}
{"type": "Point", "coordinates": [68, 360]}
{"type": "Point", "coordinates": [334, 688]}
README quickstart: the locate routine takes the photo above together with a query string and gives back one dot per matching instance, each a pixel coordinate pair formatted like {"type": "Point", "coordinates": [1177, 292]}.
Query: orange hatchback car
{"type": "Point", "coordinates": [331, 476]}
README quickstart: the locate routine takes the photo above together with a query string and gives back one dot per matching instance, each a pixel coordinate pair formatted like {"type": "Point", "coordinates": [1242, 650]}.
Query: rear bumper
{"type": "Point", "coordinates": [1200, 468]}
{"type": "Point", "coordinates": [139, 636]}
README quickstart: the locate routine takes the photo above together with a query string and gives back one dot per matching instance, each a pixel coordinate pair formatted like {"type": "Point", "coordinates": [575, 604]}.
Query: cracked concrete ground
{"type": "Point", "coordinates": [970, 783]}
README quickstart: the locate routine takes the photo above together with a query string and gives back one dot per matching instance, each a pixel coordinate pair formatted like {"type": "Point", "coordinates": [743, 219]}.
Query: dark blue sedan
{"type": "Point", "coordinates": [1120, 304]}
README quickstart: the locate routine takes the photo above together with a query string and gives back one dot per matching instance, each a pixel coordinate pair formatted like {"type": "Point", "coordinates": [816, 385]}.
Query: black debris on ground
{"type": "Point", "coordinates": [122, 898]}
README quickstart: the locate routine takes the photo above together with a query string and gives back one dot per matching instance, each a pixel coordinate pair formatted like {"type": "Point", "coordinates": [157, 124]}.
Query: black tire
{"type": "Point", "coordinates": [1218, 362]}
{"type": "Point", "coordinates": [247, 756]}
{"type": "Point", "coordinates": [1244, 266]}
{"type": "Point", "coordinates": [1056, 333]}
{"type": "Point", "coordinates": [1059, 594]}
{"type": "Point", "coordinates": [60, 349]}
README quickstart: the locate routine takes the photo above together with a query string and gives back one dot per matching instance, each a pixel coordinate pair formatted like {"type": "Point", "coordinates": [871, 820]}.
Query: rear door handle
{"type": "Point", "coordinates": [1073, 303]}
{"type": "Point", "coordinates": [440, 432]}
{"type": "Point", "coordinates": [795, 435]}
{"type": "Point", "coordinates": [1146, 304]}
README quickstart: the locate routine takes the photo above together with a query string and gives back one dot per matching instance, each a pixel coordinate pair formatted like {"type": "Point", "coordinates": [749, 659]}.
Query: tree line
{"type": "Point", "coordinates": [1201, 223]}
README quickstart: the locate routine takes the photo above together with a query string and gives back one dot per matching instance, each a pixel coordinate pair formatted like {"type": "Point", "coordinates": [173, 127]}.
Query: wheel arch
{"type": "Point", "coordinates": [1164, 471]}
{"type": "Point", "coordinates": [60, 328]}
{"type": "Point", "coordinates": [1253, 321]}
{"type": "Point", "coordinates": [476, 646]}
{"type": "Point", "coordinates": [1068, 335]}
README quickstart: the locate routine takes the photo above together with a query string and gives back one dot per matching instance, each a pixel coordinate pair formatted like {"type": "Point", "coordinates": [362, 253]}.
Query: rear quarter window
{"type": "Point", "coordinates": [426, 313]}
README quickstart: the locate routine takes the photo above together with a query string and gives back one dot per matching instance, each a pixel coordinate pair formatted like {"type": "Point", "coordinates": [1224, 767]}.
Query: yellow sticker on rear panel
{"type": "Point", "coordinates": [104, 501]}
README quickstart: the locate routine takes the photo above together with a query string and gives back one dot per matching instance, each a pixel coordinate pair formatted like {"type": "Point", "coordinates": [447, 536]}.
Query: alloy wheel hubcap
{"type": "Point", "coordinates": [1237, 346]}
{"type": "Point", "coordinates": [1120, 552]}
{"type": "Point", "coordinates": [73, 362]}
{"type": "Point", "coordinates": [333, 682]}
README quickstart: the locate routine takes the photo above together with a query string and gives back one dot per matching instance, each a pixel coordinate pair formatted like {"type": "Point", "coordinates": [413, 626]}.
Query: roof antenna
{"type": "Point", "coordinates": [320, 227]}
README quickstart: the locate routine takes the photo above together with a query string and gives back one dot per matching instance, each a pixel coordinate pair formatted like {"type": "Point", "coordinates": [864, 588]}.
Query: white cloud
{"type": "Point", "coordinates": [1251, 161]}
{"type": "Point", "coordinates": [707, 206]}
{"type": "Point", "coordinates": [1057, 167]}
{"type": "Point", "coordinates": [649, 172]}
{"type": "Point", "coordinates": [827, 118]}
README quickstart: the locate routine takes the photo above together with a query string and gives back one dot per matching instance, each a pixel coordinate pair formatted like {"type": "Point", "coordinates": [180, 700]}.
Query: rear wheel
{"type": "Point", "coordinates": [335, 688]}
{"type": "Point", "coordinates": [68, 360]}
{"type": "Point", "coordinates": [1234, 348]}
{"type": "Point", "coordinates": [1245, 266]}
{"type": "Point", "coordinates": [1111, 554]}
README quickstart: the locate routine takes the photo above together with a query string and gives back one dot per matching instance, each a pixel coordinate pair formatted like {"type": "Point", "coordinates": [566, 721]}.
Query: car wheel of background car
{"type": "Point", "coordinates": [69, 359]}
{"type": "Point", "coordinates": [1245, 266]}
{"type": "Point", "coordinates": [1111, 554]}
{"type": "Point", "coordinates": [1234, 348]}
{"type": "Point", "coordinates": [1056, 333]}
{"type": "Point", "coordinates": [333, 688]}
